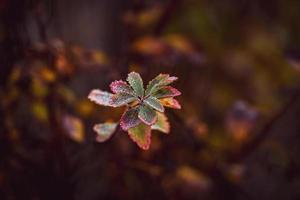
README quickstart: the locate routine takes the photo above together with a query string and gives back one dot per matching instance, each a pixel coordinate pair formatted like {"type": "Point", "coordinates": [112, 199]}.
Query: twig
{"type": "Point", "coordinates": [264, 133]}
{"type": "Point", "coordinates": [166, 16]}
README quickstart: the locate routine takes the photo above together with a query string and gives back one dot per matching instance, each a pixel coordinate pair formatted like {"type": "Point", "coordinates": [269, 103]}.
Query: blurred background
{"type": "Point", "coordinates": [237, 135]}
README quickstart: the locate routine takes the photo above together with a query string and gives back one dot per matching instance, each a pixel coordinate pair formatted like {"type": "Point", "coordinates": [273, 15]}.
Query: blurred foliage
{"type": "Point", "coordinates": [237, 64]}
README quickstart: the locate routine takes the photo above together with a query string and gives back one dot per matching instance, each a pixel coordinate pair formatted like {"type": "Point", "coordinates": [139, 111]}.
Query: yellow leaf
{"type": "Point", "coordinates": [40, 111]}
{"type": "Point", "coordinates": [45, 73]}
{"type": "Point", "coordinates": [84, 107]}
{"type": "Point", "coordinates": [39, 88]}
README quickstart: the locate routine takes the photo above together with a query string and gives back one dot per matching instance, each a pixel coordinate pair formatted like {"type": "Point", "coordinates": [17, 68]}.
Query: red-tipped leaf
{"type": "Point", "coordinates": [158, 82]}
{"type": "Point", "coordinates": [170, 102]}
{"type": "Point", "coordinates": [130, 119]}
{"type": "Point", "coordinates": [121, 87]}
{"type": "Point", "coordinates": [166, 91]}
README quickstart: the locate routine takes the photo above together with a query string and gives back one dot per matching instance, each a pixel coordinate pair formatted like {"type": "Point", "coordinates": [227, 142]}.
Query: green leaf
{"type": "Point", "coordinates": [122, 99]}
{"type": "Point", "coordinates": [166, 91]}
{"type": "Point", "coordinates": [104, 131]}
{"type": "Point", "coordinates": [141, 135]}
{"type": "Point", "coordinates": [130, 119]}
{"type": "Point", "coordinates": [154, 103]}
{"type": "Point", "coordinates": [162, 123]}
{"type": "Point", "coordinates": [147, 115]}
{"type": "Point", "coordinates": [136, 82]}
{"type": "Point", "coordinates": [154, 83]}
{"type": "Point", "coordinates": [101, 97]}
{"type": "Point", "coordinates": [158, 82]}
{"type": "Point", "coordinates": [121, 87]}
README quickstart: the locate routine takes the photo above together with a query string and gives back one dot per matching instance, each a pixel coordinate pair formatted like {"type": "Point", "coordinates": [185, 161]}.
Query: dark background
{"type": "Point", "coordinates": [236, 136]}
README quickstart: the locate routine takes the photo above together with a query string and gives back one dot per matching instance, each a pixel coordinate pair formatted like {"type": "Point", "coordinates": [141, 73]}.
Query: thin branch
{"type": "Point", "coordinates": [264, 133]}
{"type": "Point", "coordinates": [166, 16]}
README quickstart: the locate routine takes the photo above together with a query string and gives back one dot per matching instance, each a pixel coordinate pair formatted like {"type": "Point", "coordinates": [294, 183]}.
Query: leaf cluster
{"type": "Point", "coordinates": [145, 106]}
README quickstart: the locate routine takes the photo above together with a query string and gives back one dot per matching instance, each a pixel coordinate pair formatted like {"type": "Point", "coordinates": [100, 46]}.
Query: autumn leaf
{"type": "Point", "coordinates": [130, 119]}
{"type": "Point", "coordinates": [121, 87]}
{"type": "Point", "coordinates": [104, 131]}
{"type": "Point", "coordinates": [158, 82]}
{"type": "Point", "coordinates": [162, 124]}
{"type": "Point", "coordinates": [170, 102]}
{"type": "Point", "coordinates": [149, 46]}
{"type": "Point", "coordinates": [101, 97]}
{"type": "Point", "coordinates": [141, 135]}
{"type": "Point", "coordinates": [144, 108]}
{"type": "Point", "coordinates": [74, 128]}
{"type": "Point", "coordinates": [167, 91]}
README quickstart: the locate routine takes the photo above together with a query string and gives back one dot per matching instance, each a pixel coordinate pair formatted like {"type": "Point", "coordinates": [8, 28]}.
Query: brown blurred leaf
{"type": "Point", "coordinates": [235, 172]}
{"type": "Point", "coordinates": [66, 94]}
{"type": "Point", "coordinates": [42, 72]}
{"type": "Point", "coordinates": [38, 87]}
{"type": "Point", "coordinates": [62, 65]}
{"type": "Point", "coordinates": [191, 177]}
{"type": "Point", "coordinates": [180, 43]}
{"type": "Point", "coordinates": [144, 18]}
{"type": "Point", "coordinates": [99, 57]}
{"type": "Point", "coordinates": [15, 74]}
{"type": "Point", "coordinates": [150, 46]}
{"type": "Point", "coordinates": [84, 107]}
{"type": "Point", "coordinates": [240, 120]}
{"type": "Point", "coordinates": [74, 128]}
